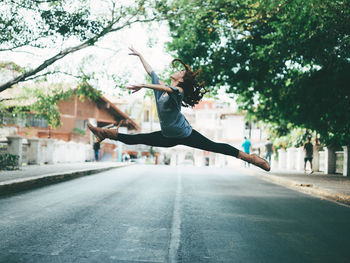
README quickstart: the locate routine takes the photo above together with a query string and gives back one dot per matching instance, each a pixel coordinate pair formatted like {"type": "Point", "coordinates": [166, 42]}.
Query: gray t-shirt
{"type": "Point", "coordinates": [269, 146]}
{"type": "Point", "coordinates": [172, 122]}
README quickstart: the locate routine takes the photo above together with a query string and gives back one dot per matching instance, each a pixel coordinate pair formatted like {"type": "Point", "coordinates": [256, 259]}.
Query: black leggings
{"type": "Point", "coordinates": [195, 140]}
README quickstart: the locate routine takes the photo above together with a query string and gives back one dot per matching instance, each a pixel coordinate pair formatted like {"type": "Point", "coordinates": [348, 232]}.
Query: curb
{"type": "Point", "coordinates": [19, 185]}
{"type": "Point", "coordinates": [306, 188]}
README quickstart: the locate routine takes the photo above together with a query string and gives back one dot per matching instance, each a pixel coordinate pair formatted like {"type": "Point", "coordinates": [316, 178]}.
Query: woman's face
{"type": "Point", "coordinates": [178, 75]}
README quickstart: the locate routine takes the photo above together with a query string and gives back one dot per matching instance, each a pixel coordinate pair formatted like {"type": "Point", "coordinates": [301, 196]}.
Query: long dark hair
{"type": "Point", "coordinates": [193, 91]}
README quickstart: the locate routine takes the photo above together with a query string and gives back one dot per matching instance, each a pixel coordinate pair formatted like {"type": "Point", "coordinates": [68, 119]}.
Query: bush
{"type": "Point", "coordinates": [79, 131]}
{"type": "Point", "coordinates": [8, 161]}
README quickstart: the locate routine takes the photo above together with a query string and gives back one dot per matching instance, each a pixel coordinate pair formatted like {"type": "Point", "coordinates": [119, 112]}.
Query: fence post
{"type": "Point", "coordinates": [291, 154]}
{"type": "Point", "coordinates": [282, 159]}
{"type": "Point", "coordinates": [300, 159]}
{"type": "Point", "coordinates": [316, 159]}
{"type": "Point", "coordinates": [15, 147]}
{"type": "Point", "coordinates": [49, 150]}
{"type": "Point", "coordinates": [329, 160]}
{"type": "Point", "coordinates": [346, 164]}
{"type": "Point", "coordinates": [34, 151]}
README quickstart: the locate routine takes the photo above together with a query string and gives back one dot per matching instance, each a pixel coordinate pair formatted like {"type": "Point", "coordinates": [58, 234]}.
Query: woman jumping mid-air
{"type": "Point", "coordinates": [175, 130]}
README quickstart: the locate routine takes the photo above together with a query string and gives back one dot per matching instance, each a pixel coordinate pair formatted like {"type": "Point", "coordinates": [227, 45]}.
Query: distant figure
{"type": "Point", "coordinates": [269, 150]}
{"type": "Point", "coordinates": [246, 148]}
{"type": "Point", "coordinates": [308, 149]}
{"type": "Point", "coordinates": [96, 149]}
{"type": "Point", "coordinates": [126, 157]}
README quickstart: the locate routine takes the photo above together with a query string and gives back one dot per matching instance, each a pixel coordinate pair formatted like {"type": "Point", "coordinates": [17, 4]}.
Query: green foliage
{"type": "Point", "coordinates": [121, 83]}
{"type": "Point", "coordinates": [47, 106]}
{"type": "Point", "coordinates": [8, 161]}
{"type": "Point", "coordinates": [289, 136]}
{"type": "Point", "coordinates": [79, 131]}
{"type": "Point", "coordinates": [84, 90]}
{"type": "Point", "coordinates": [32, 21]}
{"type": "Point", "coordinates": [11, 66]}
{"type": "Point", "coordinates": [287, 60]}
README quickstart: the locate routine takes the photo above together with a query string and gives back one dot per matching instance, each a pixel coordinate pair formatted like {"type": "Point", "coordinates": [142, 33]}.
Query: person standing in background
{"type": "Point", "coordinates": [269, 150]}
{"type": "Point", "coordinates": [96, 149]}
{"type": "Point", "coordinates": [308, 149]}
{"type": "Point", "coordinates": [246, 148]}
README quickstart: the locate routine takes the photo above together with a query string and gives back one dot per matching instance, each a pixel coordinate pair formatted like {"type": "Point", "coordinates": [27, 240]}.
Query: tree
{"type": "Point", "coordinates": [54, 23]}
{"type": "Point", "coordinates": [289, 61]}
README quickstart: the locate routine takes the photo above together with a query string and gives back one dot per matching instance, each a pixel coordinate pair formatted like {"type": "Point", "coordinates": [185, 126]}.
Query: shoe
{"type": "Point", "coordinates": [311, 172]}
{"type": "Point", "coordinates": [102, 134]}
{"type": "Point", "coordinates": [260, 162]}
{"type": "Point", "coordinates": [255, 159]}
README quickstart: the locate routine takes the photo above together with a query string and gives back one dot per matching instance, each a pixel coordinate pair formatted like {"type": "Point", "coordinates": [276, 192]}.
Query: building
{"type": "Point", "coordinates": [74, 113]}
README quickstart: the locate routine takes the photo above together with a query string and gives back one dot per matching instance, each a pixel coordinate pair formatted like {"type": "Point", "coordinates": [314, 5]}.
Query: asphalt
{"type": "Point", "coordinates": [333, 187]}
{"type": "Point", "coordinates": [146, 213]}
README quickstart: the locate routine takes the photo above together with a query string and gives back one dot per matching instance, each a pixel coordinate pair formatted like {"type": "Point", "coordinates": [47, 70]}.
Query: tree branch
{"type": "Point", "coordinates": [65, 52]}
{"type": "Point", "coordinates": [26, 43]}
{"type": "Point", "coordinates": [52, 73]}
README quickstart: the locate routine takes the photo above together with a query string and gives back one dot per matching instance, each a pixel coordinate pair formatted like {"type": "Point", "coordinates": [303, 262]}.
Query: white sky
{"type": "Point", "coordinates": [110, 55]}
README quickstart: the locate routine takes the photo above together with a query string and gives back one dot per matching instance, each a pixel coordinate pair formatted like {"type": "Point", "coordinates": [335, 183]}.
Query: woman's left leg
{"type": "Point", "coordinates": [197, 140]}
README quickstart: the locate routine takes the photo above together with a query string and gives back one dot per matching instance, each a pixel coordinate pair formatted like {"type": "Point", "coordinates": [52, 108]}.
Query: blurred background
{"type": "Point", "coordinates": [278, 73]}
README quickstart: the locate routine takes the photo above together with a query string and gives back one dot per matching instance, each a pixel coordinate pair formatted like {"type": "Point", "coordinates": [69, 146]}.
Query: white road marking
{"type": "Point", "coordinates": [176, 223]}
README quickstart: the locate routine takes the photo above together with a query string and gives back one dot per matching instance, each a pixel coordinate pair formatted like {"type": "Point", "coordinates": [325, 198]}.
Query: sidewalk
{"type": "Point", "coordinates": [334, 187]}
{"type": "Point", "coordinates": [32, 176]}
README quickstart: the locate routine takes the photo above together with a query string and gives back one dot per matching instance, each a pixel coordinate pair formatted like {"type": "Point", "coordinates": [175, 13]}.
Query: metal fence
{"type": "Point", "coordinates": [29, 120]}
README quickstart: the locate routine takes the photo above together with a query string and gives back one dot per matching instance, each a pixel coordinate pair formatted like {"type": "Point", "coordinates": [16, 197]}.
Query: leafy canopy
{"type": "Point", "coordinates": [289, 60]}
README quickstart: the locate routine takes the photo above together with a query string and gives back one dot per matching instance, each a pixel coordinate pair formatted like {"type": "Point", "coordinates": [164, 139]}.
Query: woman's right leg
{"type": "Point", "coordinates": [151, 139]}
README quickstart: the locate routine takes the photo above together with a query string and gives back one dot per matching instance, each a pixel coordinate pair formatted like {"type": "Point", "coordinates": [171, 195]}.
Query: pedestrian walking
{"type": "Point", "coordinates": [269, 150]}
{"type": "Point", "coordinates": [96, 149]}
{"type": "Point", "coordinates": [184, 90]}
{"type": "Point", "coordinates": [308, 149]}
{"type": "Point", "coordinates": [246, 148]}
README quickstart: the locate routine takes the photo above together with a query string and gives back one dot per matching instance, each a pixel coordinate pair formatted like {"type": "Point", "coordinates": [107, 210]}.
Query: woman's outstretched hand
{"type": "Point", "coordinates": [135, 88]}
{"type": "Point", "coordinates": [143, 61]}
{"type": "Point", "coordinates": [134, 52]}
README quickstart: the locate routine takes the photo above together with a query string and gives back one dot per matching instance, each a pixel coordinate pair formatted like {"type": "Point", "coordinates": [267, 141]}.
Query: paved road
{"type": "Point", "coordinates": [171, 214]}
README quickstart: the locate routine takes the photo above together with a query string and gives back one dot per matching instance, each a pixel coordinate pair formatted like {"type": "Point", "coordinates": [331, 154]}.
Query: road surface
{"type": "Point", "coordinates": [146, 213]}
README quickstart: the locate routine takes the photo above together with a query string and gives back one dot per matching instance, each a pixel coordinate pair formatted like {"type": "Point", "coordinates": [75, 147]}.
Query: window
{"type": "Point", "coordinates": [81, 124]}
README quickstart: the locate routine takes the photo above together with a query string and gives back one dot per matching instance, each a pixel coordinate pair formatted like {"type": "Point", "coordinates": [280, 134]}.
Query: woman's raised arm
{"type": "Point", "coordinates": [161, 87]}
{"type": "Point", "coordinates": [143, 61]}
